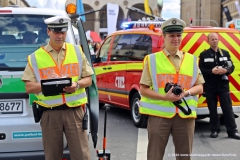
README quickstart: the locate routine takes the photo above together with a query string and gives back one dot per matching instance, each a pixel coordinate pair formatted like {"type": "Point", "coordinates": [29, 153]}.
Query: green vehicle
{"type": "Point", "coordinates": [20, 136]}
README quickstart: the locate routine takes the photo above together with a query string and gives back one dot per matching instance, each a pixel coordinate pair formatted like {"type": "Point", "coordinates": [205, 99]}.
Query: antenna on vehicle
{"type": "Point", "coordinates": [191, 21]}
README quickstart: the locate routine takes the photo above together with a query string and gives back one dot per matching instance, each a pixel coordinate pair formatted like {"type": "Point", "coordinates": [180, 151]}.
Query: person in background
{"type": "Point", "coordinates": [216, 64]}
{"type": "Point", "coordinates": [61, 113]}
{"type": "Point", "coordinates": [29, 37]}
{"type": "Point", "coordinates": [92, 53]}
{"type": "Point", "coordinates": [96, 47]}
{"type": "Point", "coordinates": [159, 102]}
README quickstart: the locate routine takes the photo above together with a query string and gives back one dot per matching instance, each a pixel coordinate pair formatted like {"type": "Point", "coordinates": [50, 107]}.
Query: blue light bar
{"type": "Point", "coordinates": [140, 24]}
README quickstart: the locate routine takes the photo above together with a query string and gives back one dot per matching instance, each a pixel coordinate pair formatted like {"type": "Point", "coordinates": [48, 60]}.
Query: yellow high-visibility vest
{"type": "Point", "coordinates": [43, 66]}
{"type": "Point", "coordinates": [162, 71]}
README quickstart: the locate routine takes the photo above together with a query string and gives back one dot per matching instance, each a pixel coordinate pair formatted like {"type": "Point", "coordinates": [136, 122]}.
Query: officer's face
{"type": "Point", "coordinates": [173, 40]}
{"type": "Point", "coordinates": [57, 38]}
{"type": "Point", "coordinates": [213, 40]}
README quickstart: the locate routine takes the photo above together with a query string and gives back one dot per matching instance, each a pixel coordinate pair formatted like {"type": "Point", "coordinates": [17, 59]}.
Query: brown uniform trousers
{"type": "Point", "coordinates": [159, 129]}
{"type": "Point", "coordinates": [69, 121]}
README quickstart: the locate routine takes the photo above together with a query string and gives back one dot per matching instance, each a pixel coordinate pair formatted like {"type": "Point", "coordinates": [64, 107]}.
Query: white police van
{"type": "Point", "coordinates": [20, 136]}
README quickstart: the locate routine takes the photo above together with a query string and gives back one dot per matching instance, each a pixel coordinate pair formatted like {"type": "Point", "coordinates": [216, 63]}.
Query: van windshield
{"type": "Point", "coordinates": [20, 35]}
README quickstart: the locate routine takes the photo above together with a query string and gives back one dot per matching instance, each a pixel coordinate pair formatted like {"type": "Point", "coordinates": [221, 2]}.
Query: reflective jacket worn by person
{"type": "Point", "coordinates": [163, 71]}
{"type": "Point", "coordinates": [43, 66]}
{"type": "Point", "coordinates": [208, 60]}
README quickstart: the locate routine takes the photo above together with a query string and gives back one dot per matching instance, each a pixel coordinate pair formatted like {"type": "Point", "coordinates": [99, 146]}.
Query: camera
{"type": "Point", "coordinates": [225, 65]}
{"type": "Point", "coordinates": [177, 90]}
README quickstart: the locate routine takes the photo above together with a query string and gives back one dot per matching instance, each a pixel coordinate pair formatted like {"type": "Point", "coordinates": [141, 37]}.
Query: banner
{"type": "Point", "coordinates": [146, 7]}
{"type": "Point", "coordinates": [112, 15]}
{"type": "Point", "coordinates": [80, 9]}
{"type": "Point", "coordinates": [238, 7]}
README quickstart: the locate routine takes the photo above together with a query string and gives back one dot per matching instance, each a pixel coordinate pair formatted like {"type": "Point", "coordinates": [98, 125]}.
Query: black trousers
{"type": "Point", "coordinates": [226, 105]}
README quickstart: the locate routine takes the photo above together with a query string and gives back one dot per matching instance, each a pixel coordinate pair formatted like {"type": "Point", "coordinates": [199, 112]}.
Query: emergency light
{"type": "Point", "coordinates": [231, 25]}
{"type": "Point", "coordinates": [141, 24]}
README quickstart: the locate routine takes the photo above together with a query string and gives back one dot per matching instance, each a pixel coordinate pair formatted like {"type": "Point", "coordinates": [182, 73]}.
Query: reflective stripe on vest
{"type": "Point", "coordinates": [43, 66]}
{"type": "Point", "coordinates": [36, 71]}
{"type": "Point", "coordinates": [59, 101]}
{"type": "Point", "coordinates": [161, 75]}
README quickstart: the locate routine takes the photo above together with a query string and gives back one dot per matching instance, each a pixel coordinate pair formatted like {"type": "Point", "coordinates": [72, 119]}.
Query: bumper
{"type": "Point", "coordinates": [205, 111]}
{"type": "Point", "coordinates": [36, 155]}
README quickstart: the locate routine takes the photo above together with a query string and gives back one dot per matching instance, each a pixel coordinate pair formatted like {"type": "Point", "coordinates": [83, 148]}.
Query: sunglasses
{"type": "Point", "coordinates": [58, 30]}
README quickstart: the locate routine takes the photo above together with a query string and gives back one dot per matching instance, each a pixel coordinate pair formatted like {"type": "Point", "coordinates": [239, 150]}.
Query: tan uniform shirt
{"type": "Point", "coordinates": [176, 60]}
{"type": "Point", "coordinates": [28, 74]}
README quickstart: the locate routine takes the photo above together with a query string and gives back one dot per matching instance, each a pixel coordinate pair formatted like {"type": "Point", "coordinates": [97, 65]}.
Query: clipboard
{"type": "Point", "coordinates": [53, 87]}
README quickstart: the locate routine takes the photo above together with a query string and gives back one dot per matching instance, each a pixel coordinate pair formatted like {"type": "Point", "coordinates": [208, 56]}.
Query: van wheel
{"type": "Point", "coordinates": [101, 105]}
{"type": "Point", "coordinates": [139, 120]}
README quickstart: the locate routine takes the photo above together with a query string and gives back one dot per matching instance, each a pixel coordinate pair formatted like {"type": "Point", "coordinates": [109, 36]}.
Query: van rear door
{"type": "Point", "coordinates": [17, 124]}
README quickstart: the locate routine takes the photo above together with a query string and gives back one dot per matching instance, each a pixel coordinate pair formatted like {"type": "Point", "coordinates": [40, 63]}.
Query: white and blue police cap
{"type": "Point", "coordinates": [173, 25]}
{"type": "Point", "coordinates": [57, 23]}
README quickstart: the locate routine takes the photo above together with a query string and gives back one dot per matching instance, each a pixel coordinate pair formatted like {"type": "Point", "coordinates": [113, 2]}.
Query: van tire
{"type": "Point", "coordinates": [139, 120]}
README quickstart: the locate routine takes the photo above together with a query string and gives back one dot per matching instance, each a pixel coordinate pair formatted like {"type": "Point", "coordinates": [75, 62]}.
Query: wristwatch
{"type": "Point", "coordinates": [77, 87]}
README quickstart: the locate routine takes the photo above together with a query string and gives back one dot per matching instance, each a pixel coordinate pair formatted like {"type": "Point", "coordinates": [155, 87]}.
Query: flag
{"type": "Point", "coordinates": [80, 9]}
{"type": "Point", "coordinates": [146, 7]}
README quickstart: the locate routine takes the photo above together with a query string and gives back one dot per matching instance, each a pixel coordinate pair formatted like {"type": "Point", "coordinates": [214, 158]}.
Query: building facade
{"type": "Point", "coordinates": [98, 21]}
{"type": "Point", "coordinates": [21, 3]}
{"type": "Point", "coordinates": [234, 13]}
{"type": "Point", "coordinates": [207, 12]}
{"type": "Point", "coordinates": [202, 12]}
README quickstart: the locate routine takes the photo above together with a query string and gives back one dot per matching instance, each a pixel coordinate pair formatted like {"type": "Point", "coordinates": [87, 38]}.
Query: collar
{"type": "Point", "coordinates": [178, 54]}
{"type": "Point", "coordinates": [214, 51]}
{"type": "Point", "coordinates": [49, 48]}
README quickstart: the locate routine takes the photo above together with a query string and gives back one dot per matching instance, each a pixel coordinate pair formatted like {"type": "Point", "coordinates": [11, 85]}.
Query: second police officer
{"type": "Point", "coordinates": [165, 119]}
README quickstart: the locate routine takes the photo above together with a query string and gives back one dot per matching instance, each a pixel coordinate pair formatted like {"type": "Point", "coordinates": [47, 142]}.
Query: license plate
{"type": "Point", "coordinates": [11, 107]}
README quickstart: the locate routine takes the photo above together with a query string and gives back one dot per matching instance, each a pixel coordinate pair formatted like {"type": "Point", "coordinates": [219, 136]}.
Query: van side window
{"type": "Point", "coordinates": [104, 51]}
{"type": "Point", "coordinates": [121, 48]}
{"type": "Point", "coordinates": [142, 45]}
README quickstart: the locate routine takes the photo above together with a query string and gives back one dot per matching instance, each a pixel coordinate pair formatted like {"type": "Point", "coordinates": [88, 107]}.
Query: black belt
{"type": "Point", "coordinates": [61, 107]}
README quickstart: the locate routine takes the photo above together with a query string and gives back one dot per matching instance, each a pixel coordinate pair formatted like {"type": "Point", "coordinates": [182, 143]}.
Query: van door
{"type": "Point", "coordinates": [101, 68]}
{"type": "Point", "coordinates": [116, 82]}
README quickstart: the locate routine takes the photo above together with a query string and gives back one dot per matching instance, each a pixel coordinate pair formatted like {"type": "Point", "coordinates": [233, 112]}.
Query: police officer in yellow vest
{"type": "Point", "coordinates": [170, 66]}
{"type": "Point", "coordinates": [62, 113]}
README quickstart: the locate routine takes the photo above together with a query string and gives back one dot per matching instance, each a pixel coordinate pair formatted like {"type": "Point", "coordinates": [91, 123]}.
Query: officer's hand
{"type": "Point", "coordinates": [215, 70]}
{"type": "Point", "coordinates": [222, 71]}
{"type": "Point", "coordinates": [70, 89]}
{"type": "Point", "coordinates": [169, 96]}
